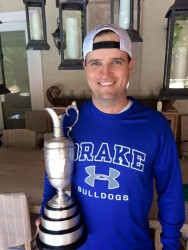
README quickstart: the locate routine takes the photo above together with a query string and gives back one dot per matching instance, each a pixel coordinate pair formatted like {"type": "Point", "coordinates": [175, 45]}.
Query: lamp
{"type": "Point", "coordinates": [3, 88]}
{"type": "Point", "coordinates": [72, 20]}
{"type": "Point", "coordinates": [36, 24]}
{"type": "Point", "coordinates": [56, 37]}
{"type": "Point", "coordinates": [126, 14]}
{"type": "Point", "coordinates": [175, 82]}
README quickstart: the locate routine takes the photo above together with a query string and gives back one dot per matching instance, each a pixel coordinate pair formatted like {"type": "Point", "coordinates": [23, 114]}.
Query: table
{"type": "Point", "coordinates": [22, 170]}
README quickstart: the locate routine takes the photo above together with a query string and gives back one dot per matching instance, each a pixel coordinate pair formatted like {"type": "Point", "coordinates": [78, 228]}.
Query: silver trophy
{"type": "Point", "coordinates": [61, 225]}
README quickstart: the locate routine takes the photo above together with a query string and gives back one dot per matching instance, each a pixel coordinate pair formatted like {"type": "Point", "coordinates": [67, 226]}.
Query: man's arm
{"type": "Point", "coordinates": [170, 191]}
{"type": "Point", "coordinates": [49, 192]}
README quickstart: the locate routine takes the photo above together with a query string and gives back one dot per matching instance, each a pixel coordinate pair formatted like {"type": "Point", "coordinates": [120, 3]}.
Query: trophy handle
{"type": "Point", "coordinates": [72, 106]}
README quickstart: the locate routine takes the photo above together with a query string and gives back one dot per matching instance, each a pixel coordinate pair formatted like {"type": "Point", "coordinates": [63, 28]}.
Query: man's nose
{"type": "Point", "coordinates": [106, 70]}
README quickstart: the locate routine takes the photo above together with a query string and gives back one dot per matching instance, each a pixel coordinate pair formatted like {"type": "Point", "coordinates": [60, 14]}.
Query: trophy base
{"type": "Point", "coordinates": [61, 228]}
{"type": "Point", "coordinates": [73, 246]}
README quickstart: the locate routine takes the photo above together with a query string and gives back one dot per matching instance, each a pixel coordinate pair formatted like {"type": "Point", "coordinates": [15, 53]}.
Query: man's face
{"type": "Point", "coordinates": [108, 71]}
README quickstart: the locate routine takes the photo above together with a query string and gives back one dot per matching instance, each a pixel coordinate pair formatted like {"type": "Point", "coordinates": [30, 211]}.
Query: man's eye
{"type": "Point", "coordinates": [117, 62]}
{"type": "Point", "coordinates": [95, 63]}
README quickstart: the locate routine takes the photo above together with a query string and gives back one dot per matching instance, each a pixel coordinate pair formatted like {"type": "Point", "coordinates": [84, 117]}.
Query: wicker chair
{"type": "Point", "coordinates": [23, 138]}
{"type": "Point", "coordinates": [15, 229]}
{"type": "Point", "coordinates": [39, 121]}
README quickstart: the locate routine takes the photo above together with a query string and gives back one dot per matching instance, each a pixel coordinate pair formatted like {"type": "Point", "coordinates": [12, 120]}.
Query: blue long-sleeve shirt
{"type": "Point", "coordinates": [117, 159]}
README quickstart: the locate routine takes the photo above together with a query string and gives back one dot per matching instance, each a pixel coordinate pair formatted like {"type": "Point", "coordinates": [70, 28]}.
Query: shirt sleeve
{"type": "Point", "coordinates": [49, 192]}
{"type": "Point", "coordinates": [169, 188]}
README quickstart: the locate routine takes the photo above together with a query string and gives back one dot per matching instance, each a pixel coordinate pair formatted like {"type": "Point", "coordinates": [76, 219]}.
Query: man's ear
{"type": "Point", "coordinates": [131, 65]}
{"type": "Point", "coordinates": [84, 64]}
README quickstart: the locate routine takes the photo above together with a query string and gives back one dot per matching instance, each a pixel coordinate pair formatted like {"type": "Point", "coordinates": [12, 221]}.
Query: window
{"type": "Point", "coordinates": [23, 70]}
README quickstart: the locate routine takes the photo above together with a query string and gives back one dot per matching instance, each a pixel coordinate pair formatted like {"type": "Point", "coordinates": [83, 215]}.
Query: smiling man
{"type": "Point", "coordinates": [121, 148]}
{"type": "Point", "coordinates": [108, 72]}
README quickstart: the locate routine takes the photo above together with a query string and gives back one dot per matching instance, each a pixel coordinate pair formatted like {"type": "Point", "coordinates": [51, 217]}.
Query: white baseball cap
{"type": "Point", "coordinates": [124, 43]}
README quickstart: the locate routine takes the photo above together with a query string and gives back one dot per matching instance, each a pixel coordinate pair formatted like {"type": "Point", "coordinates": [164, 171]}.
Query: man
{"type": "Point", "coordinates": [121, 147]}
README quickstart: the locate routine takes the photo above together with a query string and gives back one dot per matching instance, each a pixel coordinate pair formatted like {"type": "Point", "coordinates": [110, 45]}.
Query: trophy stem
{"type": "Point", "coordinates": [62, 196]}
{"type": "Point", "coordinates": [60, 193]}
{"type": "Point", "coordinates": [61, 200]}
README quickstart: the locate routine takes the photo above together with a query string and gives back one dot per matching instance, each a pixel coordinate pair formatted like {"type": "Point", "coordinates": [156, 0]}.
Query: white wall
{"type": "Point", "coordinates": [153, 46]}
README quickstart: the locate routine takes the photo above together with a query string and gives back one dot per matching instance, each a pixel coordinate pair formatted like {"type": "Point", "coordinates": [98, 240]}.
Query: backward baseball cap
{"type": "Point", "coordinates": [124, 39]}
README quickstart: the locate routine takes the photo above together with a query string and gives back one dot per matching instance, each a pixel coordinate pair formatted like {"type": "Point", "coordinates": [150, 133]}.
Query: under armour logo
{"type": "Point", "coordinates": [111, 178]}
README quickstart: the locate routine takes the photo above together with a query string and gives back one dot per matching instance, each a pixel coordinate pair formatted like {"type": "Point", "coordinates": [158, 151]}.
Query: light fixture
{"type": "Point", "coordinates": [56, 37]}
{"type": "Point", "coordinates": [72, 20]}
{"type": "Point", "coordinates": [36, 24]}
{"type": "Point", "coordinates": [126, 14]}
{"type": "Point", "coordinates": [175, 82]}
{"type": "Point", "coordinates": [3, 88]}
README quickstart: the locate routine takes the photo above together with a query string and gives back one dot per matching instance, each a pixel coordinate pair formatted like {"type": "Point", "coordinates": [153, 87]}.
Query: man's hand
{"type": "Point", "coordinates": [37, 223]}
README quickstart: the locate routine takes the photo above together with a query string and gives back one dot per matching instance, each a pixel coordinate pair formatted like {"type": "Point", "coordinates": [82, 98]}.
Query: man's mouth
{"type": "Point", "coordinates": [106, 83]}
